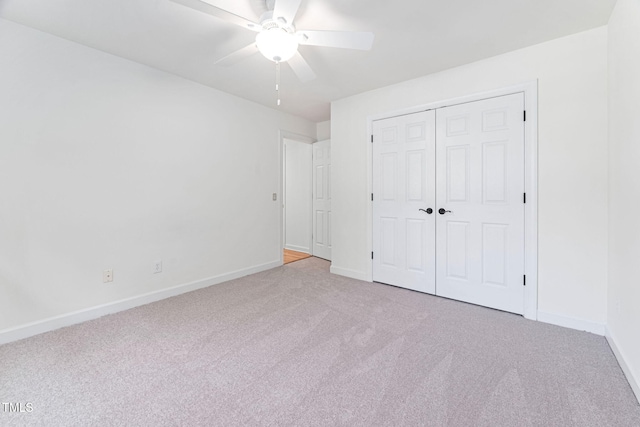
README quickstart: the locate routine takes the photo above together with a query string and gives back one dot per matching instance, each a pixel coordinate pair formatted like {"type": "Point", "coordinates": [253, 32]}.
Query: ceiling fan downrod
{"type": "Point", "coordinates": [278, 83]}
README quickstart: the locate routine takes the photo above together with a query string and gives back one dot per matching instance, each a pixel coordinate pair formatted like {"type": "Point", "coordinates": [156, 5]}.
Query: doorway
{"type": "Point", "coordinates": [306, 199]}
{"type": "Point", "coordinates": [448, 202]}
{"type": "Point", "coordinates": [296, 197]}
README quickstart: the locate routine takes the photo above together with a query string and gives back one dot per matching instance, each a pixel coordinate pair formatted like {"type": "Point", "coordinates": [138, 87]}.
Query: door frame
{"type": "Point", "coordinates": [282, 135]}
{"type": "Point", "coordinates": [287, 199]}
{"type": "Point", "coordinates": [530, 91]}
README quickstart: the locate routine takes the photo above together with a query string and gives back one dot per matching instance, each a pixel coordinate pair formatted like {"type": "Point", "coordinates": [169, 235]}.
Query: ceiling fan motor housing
{"type": "Point", "coordinates": [277, 40]}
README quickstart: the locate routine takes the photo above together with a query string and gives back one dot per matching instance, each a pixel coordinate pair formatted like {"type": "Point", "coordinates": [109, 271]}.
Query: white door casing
{"type": "Point", "coordinates": [403, 184]}
{"type": "Point", "coordinates": [322, 199]}
{"type": "Point", "coordinates": [480, 179]}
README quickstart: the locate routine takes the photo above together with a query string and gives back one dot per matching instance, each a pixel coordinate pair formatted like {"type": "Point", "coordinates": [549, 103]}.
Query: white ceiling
{"type": "Point", "coordinates": [413, 38]}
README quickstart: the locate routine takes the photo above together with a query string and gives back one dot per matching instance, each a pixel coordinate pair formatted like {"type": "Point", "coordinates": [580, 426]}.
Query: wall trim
{"type": "Point", "coordinates": [298, 249]}
{"type": "Point", "coordinates": [530, 90]}
{"type": "Point", "coordinates": [75, 317]}
{"type": "Point", "coordinates": [572, 323]}
{"type": "Point", "coordinates": [633, 382]}
{"type": "Point", "coordinates": [353, 274]}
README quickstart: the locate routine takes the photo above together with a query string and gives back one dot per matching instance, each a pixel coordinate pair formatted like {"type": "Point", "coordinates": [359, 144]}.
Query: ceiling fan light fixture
{"type": "Point", "coordinates": [277, 44]}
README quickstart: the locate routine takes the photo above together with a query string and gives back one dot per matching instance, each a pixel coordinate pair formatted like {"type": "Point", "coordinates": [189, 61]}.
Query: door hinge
{"type": "Point", "coordinates": [524, 280]}
{"type": "Point", "coordinates": [524, 115]}
{"type": "Point", "coordinates": [371, 255]}
{"type": "Point", "coordinates": [524, 197]}
{"type": "Point", "coordinates": [372, 197]}
{"type": "Point", "coordinates": [371, 138]}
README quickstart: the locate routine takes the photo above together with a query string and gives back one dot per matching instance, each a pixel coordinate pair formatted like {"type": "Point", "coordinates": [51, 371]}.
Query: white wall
{"type": "Point", "coordinates": [572, 76]}
{"type": "Point", "coordinates": [297, 202]}
{"type": "Point", "coordinates": [623, 320]}
{"type": "Point", "coordinates": [323, 130]}
{"type": "Point", "coordinates": [105, 163]}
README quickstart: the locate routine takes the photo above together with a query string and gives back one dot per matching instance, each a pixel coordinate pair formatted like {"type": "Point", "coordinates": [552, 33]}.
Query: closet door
{"type": "Point", "coordinates": [480, 207]}
{"type": "Point", "coordinates": [403, 194]}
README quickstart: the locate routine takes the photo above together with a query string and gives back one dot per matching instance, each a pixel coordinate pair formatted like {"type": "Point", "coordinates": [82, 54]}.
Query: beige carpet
{"type": "Point", "coordinates": [298, 346]}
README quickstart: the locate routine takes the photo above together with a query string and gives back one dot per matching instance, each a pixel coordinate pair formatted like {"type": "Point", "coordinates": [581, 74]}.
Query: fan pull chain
{"type": "Point", "coordinates": [278, 83]}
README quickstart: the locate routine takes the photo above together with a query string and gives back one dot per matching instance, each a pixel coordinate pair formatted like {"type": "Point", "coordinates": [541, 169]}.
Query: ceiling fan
{"type": "Point", "coordinates": [278, 38]}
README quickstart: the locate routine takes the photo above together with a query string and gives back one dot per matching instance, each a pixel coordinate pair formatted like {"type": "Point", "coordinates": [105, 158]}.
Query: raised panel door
{"type": "Point", "coordinates": [480, 186]}
{"type": "Point", "coordinates": [403, 183]}
{"type": "Point", "coordinates": [321, 235]}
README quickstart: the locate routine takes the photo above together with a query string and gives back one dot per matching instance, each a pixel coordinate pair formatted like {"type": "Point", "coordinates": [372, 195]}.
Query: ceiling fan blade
{"type": "Point", "coordinates": [301, 68]}
{"type": "Point", "coordinates": [209, 9]}
{"type": "Point", "coordinates": [341, 39]}
{"type": "Point", "coordinates": [286, 9]}
{"type": "Point", "coordinates": [238, 55]}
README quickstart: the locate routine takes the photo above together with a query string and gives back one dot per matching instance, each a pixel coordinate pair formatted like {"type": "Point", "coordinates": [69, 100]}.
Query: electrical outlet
{"type": "Point", "coordinates": [274, 196]}
{"type": "Point", "coordinates": [107, 276]}
{"type": "Point", "coordinates": [157, 266]}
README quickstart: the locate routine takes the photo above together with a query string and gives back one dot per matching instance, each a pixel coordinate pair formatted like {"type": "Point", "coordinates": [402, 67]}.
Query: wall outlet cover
{"type": "Point", "coordinates": [107, 275]}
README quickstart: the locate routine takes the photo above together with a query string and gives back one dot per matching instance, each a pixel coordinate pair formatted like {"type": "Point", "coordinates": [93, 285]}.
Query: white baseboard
{"type": "Point", "coordinates": [68, 319]}
{"type": "Point", "coordinates": [298, 249]}
{"type": "Point", "coordinates": [349, 273]}
{"type": "Point", "coordinates": [633, 382]}
{"type": "Point", "coordinates": [572, 323]}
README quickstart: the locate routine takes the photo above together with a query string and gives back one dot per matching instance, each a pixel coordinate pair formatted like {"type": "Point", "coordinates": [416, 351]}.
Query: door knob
{"type": "Point", "coordinates": [441, 211]}
{"type": "Point", "coordinates": [428, 210]}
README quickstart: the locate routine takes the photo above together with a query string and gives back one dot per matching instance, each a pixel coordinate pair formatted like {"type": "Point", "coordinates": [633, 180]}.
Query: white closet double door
{"type": "Point", "coordinates": [448, 208]}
